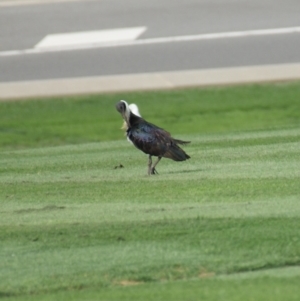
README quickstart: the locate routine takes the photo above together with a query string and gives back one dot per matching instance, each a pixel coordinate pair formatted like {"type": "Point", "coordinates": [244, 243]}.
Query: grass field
{"type": "Point", "coordinates": [223, 225]}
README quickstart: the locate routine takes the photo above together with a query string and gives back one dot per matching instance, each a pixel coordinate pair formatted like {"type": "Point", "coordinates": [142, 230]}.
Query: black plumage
{"type": "Point", "coordinates": [151, 139]}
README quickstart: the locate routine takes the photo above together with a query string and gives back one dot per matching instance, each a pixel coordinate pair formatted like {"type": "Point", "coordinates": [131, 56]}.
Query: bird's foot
{"type": "Point", "coordinates": [153, 171]}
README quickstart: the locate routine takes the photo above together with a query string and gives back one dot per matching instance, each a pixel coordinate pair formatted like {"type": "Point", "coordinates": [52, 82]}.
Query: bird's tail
{"type": "Point", "coordinates": [181, 142]}
{"type": "Point", "coordinates": [176, 153]}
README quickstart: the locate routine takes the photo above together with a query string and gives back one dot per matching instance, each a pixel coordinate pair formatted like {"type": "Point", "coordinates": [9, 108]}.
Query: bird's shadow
{"type": "Point", "coordinates": [185, 171]}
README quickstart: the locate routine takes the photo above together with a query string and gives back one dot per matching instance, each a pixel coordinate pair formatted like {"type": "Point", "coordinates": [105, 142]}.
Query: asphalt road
{"type": "Point", "coordinates": [24, 24]}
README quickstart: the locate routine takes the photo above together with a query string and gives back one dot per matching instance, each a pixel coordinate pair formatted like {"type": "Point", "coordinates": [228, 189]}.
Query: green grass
{"type": "Point", "coordinates": [94, 118]}
{"type": "Point", "coordinates": [221, 226]}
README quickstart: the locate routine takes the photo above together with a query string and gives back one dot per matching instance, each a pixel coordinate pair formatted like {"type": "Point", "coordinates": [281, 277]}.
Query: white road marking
{"type": "Point", "coordinates": [89, 38]}
{"type": "Point", "coordinates": [35, 2]}
{"type": "Point", "coordinates": [187, 38]}
{"type": "Point", "coordinates": [222, 35]}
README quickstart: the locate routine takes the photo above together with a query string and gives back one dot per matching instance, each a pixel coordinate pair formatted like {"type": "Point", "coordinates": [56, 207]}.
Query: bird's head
{"type": "Point", "coordinates": [123, 108]}
{"type": "Point", "coordinates": [134, 109]}
{"type": "Point", "coordinates": [127, 111]}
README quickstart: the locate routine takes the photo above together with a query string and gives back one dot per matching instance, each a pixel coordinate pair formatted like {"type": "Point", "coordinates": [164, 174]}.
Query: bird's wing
{"type": "Point", "coordinates": [150, 139]}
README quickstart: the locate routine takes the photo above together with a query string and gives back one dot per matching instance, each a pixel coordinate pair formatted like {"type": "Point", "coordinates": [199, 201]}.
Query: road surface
{"type": "Point", "coordinates": [51, 40]}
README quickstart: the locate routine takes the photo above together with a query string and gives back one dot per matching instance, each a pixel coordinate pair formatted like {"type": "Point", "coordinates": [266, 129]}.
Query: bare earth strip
{"type": "Point", "coordinates": [149, 81]}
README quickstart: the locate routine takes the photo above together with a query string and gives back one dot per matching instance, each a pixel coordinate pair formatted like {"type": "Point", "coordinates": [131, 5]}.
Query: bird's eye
{"type": "Point", "coordinates": [120, 106]}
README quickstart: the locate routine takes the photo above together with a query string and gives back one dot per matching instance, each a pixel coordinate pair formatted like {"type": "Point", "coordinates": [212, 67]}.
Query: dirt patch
{"type": "Point", "coordinates": [119, 166]}
{"type": "Point", "coordinates": [206, 275]}
{"type": "Point", "coordinates": [129, 282]}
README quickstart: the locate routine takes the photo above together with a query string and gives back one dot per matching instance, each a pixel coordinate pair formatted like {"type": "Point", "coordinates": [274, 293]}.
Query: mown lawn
{"type": "Point", "coordinates": [195, 111]}
{"type": "Point", "coordinates": [223, 225]}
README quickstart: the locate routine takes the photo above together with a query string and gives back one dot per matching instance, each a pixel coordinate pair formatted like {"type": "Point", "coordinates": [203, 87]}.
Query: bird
{"type": "Point", "coordinates": [150, 139]}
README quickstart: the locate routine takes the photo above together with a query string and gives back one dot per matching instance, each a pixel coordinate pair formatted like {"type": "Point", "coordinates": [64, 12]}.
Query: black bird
{"type": "Point", "coordinates": [150, 139]}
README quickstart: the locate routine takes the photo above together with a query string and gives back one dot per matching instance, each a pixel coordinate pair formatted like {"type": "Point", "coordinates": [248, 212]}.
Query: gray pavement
{"type": "Point", "coordinates": [22, 27]}
{"type": "Point", "coordinates": [24, 23]}
{"type": "Point", "coordinates": [220, 53]}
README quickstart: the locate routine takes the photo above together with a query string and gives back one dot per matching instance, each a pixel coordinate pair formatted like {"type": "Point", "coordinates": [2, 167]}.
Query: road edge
{"type": "Point", "coordinates": [149, 81]}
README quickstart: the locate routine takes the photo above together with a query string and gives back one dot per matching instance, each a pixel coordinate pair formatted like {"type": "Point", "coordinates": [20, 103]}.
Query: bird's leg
{"type": "Point", "coordinates": [149, 165]}
{"type": "Point", "coordinates": [153, 170]}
